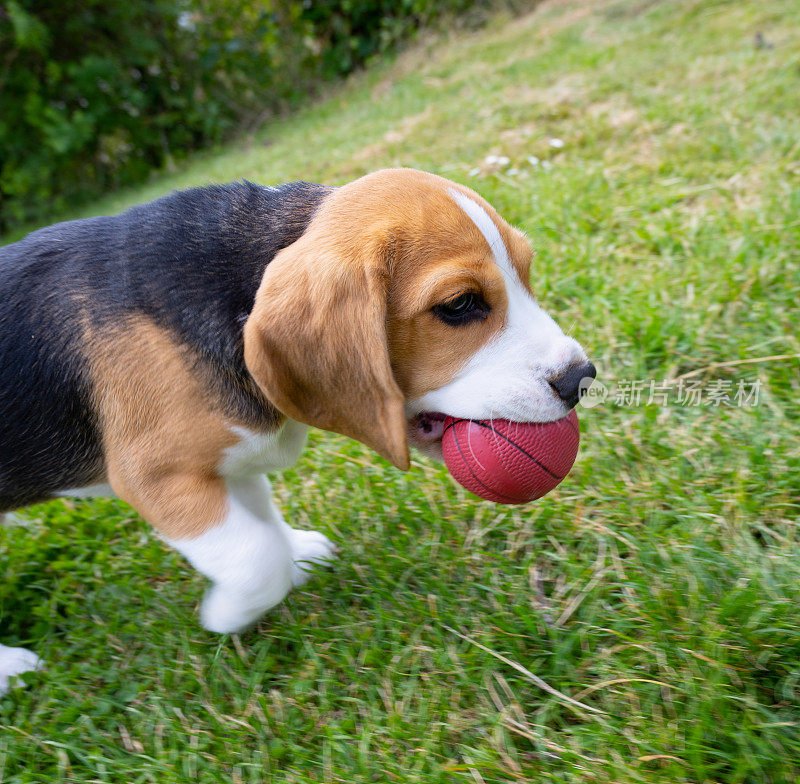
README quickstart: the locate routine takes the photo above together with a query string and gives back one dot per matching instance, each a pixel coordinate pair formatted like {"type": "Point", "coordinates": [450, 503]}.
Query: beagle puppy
{"type": "Point", "coordinates": [177, 353]}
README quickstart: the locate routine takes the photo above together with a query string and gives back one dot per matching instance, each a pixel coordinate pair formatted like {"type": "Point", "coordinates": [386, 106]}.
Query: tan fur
{"type": "Point", "coordinates": [163, 434]}
{"type": "Point", "coordinates": [425, 352]}
{"type": "Point", "coordinates": [342, 331]}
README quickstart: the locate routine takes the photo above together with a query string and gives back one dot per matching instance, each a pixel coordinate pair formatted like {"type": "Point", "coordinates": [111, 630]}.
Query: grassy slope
{"type": "Point", "coordinates": [668, 564]}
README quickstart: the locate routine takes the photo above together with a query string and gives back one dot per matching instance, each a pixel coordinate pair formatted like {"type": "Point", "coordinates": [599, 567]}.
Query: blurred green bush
{"type": "Point", "coordinates": [94, 94]}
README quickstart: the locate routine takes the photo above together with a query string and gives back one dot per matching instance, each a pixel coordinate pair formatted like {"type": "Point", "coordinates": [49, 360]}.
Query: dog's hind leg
{"type": "Point", "coordinates": [13, 662]}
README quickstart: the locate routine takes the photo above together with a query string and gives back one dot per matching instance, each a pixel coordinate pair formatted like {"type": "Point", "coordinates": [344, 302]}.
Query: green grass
{"type": "Point", "coordinates": [660, 584]}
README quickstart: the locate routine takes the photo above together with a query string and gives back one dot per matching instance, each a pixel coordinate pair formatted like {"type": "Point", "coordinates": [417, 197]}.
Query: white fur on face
{"type": "Point", "coordinates": [508, 377]}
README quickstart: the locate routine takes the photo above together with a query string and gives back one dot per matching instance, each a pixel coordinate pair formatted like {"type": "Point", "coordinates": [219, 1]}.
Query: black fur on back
{"type": "Point", "coordinates": [191, 262]}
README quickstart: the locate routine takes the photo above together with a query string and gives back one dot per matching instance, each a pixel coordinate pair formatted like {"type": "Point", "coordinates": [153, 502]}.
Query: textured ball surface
{"type": "Point", "coordinates": [510, 462]}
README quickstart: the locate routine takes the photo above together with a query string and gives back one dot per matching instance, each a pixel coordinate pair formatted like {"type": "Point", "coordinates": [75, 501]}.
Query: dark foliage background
{"type": "Point", "coordinates": [94, 94]}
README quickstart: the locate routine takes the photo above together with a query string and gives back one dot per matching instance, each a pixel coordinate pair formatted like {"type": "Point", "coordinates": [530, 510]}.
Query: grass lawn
{"type": "Point", "coordinates": [659, 586]}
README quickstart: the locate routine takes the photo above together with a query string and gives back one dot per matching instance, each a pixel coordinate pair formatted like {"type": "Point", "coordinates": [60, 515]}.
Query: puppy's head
{"type": "Point", "coordinates": [407, 299]}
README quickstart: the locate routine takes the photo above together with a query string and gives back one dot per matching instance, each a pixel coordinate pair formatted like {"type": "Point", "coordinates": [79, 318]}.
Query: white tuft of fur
{"type": "Point", "coordinates": [13, 662]}
{"type": "Point", "coordinates": [309, 550]}
{"type": "Point", "coordinates": [260, 453]}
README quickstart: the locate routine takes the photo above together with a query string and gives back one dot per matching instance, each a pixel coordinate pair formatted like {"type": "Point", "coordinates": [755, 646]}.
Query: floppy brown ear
{"type": "Point", "coordinates": [315, 342]}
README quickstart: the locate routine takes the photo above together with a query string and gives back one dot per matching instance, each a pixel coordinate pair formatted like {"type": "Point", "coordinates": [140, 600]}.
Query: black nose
{"type": "Point", "coordinates": [567, 384]}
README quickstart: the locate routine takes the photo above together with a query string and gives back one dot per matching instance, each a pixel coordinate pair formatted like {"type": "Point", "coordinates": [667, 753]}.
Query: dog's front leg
{"type": "Point", "coordinates": [308, 548]}
{"type": "Point", "coordinates": [231, 531]}
{"type": "Point", "coordinates": [252, 556]}
{"type": "Point", "coordinates": [247, 555]}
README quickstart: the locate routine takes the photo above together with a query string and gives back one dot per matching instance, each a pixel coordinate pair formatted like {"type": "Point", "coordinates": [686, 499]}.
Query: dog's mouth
{"type": "Point", "coordinates": [425, 432]}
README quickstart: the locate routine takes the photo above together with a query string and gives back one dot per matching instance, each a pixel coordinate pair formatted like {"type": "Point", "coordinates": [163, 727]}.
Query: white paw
{"type": "Point", "coordinates": [228, 609]}
{"type": "Point", "coordinates": [224, 612]}
{"type": "Point", "coordinates": [13, 662]}
{"type": "Point", "coordinates": [309, 549]}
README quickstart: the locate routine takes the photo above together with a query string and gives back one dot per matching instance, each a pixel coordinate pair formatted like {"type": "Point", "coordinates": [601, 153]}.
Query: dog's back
{"type": "Point", "coordinates": [190, 262]}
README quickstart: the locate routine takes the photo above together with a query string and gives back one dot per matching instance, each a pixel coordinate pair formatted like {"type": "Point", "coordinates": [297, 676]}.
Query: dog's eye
{"type": "Point", "coordinates": [463, 309]}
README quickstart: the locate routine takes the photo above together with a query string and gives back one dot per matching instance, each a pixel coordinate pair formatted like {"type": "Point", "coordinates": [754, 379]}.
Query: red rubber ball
{"type": "Point", "coordinates": [510, 462]}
